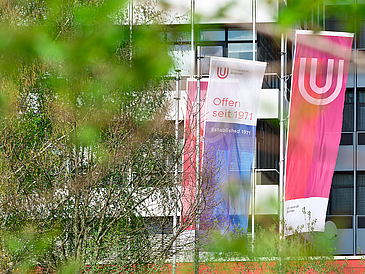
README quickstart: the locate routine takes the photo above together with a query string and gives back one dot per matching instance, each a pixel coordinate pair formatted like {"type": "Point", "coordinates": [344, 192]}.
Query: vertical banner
{"type": "Point", "coordinates": [189, 157]}
{"type": "Point", "coordinates": [320, 69]}
{"type": "Point", "coordinates": [229, 137]}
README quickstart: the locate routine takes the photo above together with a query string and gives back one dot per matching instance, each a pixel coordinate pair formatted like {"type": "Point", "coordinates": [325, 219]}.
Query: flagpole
{"type": "Point", "coordinates": [253, 30]}
{"type": "Point", "coordinates": [253, 188]}
{"type": "Point", "coordinates": [283, 87]}
{"type": "Point", "coordinates": [130, 29]}
{"type": "Point", "coordinates": [192, 20]}
{"type": "Point", "coordinates": [281, 162]}
{"type": "Point", "coordinates": [177, 106]}
{"type": "Point", "coordinates": [197, 162]}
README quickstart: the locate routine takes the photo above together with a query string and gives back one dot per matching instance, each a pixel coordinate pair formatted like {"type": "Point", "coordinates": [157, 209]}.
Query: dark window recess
{"type": "Point", "coordinates": [348, 111]}
{"type": "Point", "coordinates": [271, 81]}
{"type": "Point", "coordinates": [339, 18]}
{"type": "Point", "coordinates": [266, 222]}
{"type": "Point", "coordinates": [341, 222]}
{"type": "Point", "coordinates": [360, 112]}
{"type": "Point", "coordinates": [346, 139]}
{"type": "Point", "coordinates": [361, 36]}
{"type": "Point", "coordinates": [268, 145]}
{"type": "Point", "coordinates": [268, 50]}
{"type": "Point", "coordinates": [361, 139]}
{"type": "Point", "coordinates": [341, 200]}
{"type": "Point", "coordinates": [361, 222]}
{"type": "Point", "coordinates": [269, 178]}
{"type": "Point", "coordinates": [361, 29]}
{"type": "Point", "coordinates": [249, 227]}
{"type": "Point", "coordinates": [360, 192]}
{"type": "Point", "coordinates": [159, 225]}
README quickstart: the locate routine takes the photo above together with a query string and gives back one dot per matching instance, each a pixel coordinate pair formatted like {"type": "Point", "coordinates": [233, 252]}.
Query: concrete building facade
{"type": "Point", "coordinates": [246, 32]}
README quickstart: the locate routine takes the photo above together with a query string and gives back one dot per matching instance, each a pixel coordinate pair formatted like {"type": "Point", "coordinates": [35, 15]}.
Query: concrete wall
{"type": "Point", "coordinates": [239, 12]}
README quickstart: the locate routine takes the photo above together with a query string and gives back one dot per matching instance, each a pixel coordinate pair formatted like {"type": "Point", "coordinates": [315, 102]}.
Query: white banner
{"type": "Point", "coordinates": [230, 128]}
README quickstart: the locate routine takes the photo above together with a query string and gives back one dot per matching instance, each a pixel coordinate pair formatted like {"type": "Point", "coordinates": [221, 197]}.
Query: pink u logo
{"type": "Point", "coordinates": [312, 81]}
{"type": "Point", "coordinates": [222, 74]}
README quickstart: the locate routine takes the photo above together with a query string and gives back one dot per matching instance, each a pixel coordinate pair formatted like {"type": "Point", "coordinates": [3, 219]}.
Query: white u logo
{"type": "Point", "coordinates": [313, 85]}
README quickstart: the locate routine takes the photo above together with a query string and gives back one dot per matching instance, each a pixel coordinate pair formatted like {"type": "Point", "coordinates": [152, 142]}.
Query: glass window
{"type": "Point", "coordinates": [212, 35]}
{"type": "Point", "coordinates": [178, 36]}
{"type": "Point", "coordinates": [360, 109]}
{"type": "Point", "coordinates": [346, 139]}
{"type": "Point", "coordinates": [348, 111]}
{"type": "Point", "coordinates": [361, 139]}
{"type": "Point", "coordinates": [182, 59]}
{"type": "Point", "coordinates": [360, 193]}
{"type": "Point", "coordinates": [159, 225]}
{"type": "Point", "coordinates": [361, 36]}
{"type": "Point", "coordinates": [240, 35]}
{"type": "Point", "coordinates": [267, 149]}
{"type": "Point", "coordinates": [208, 51]}
{"type": "Point", "coordinates": [240, 50]}
{"type": "Point", "coordinates": [338, 18]}
{"type": "Point", "coordinates": [341, 200]}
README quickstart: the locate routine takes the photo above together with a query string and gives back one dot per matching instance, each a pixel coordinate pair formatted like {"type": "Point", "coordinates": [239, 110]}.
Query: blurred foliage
{"type": "Point", "coordinates": [76, 54]}
{"type": "Point", "coordinates": [338, 15]}
{"type": "Point", "coordinates": [83, 137]}
{"type": "Point", "coordinates": [84, 141]}
{"type": "Point", "coordinates": [272, 252]}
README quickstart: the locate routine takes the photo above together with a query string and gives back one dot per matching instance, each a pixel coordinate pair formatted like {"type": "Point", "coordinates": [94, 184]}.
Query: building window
{"type": "Point", "coordinates": [267, 150]}
{"type": "Point", "coordinates": [348, 111]}
{"type": "Point", "coordinates": [240, 35]}
{"type": "Point", "coordinates": [360, 193]}
{"type": "Point", "coordinates": [182, 57]}
{"type": "Point", "coordinates": [240, 50]}
{"type": "Point", "coordinates": [178, 36]}
{"type": "Point", "coordinates": [361, 36]}
{"type": "Point", "coordinates": [212, 35]}
{"type": "Point", "coordinates": [159, 225]}
{"type": "Point", "coordinates": [346, 139]}
{"type": "Point", "coordinates": [269, 51]}
{"type": "Point", "coordinates": [225, 42]}
{"type": "Point", "coordinates": [360, 113]}
{"type": "Point", "coordinates": [207, 52]}
{"type": "Point", "coordinates": [339, 18]}
{"type": "Point", "coordinates": [341, 200]}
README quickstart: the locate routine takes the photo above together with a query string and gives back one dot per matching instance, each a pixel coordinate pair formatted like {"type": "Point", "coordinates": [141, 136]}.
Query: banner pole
{"type": "Point", "coordinates": [177, 106]}
{"type": "Point", "coordinates": [281, 165]}
{"type": "Point", "coordinates": [130, 29]}
{"type": "Point", "coordinates": [198, 152]}
{"type": "Point", "coordinates": [193, 59]}
{"type": "Point", "coordinates": [197, 162]}
{"type": "Point", "coordinates": [253, 30]}
{"type": "Point", "coordinates": [253, 187]}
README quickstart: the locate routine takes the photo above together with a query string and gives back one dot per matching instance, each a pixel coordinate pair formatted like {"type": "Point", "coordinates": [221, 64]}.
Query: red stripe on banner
{"type": "Point", "coordinates": [189, 157]}
{"type": "Point", "coordinates": [301, 140]}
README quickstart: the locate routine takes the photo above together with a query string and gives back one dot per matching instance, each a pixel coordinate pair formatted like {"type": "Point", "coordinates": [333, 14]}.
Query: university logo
{"type": "Point", "coordinates": [222, 74]}
{"type": "Point", "coordinates": [312, 81]}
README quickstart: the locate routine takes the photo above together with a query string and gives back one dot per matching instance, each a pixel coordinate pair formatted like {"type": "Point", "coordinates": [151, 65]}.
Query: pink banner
{"type": "Point", "coordinates": [189, 158]}
{"type": "Point", "coordinates": [320, 72]}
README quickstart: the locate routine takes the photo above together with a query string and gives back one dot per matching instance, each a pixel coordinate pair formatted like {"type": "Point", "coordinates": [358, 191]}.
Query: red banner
{"type": "Point", "coordinates": [189, 158]}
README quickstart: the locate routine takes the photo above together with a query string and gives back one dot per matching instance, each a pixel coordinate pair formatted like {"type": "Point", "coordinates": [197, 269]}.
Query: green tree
{"type": "Point", "coordinates": [87, 157]}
